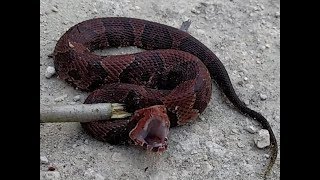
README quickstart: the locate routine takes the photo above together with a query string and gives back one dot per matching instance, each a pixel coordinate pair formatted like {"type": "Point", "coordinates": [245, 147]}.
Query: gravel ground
{"type": "Point", "coordinates": [244, 34]}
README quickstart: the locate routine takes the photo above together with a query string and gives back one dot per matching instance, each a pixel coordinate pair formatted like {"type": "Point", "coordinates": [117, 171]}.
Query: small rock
{"type": "Point", "coordinates": [44, 160]}
{"type": "Point", "coordinates": [50, 72]}
{"type": "Point", "coordinates": [194, 11]}
{"type": "Point", "coordinates": [266, 156]}
{"type": "Point", "coordinates": [263, 97]}
{"type": "Point", "coordinates": [207, 168]}
{"type": "Point", "coordinates": [95, 11]}
{"type": "Point", "coordinates": [86, 141]}
{"type": "Point", "coordinates": [258, 62]}
{"type": "Point", "coordinates": [54, 9]}
{"type": "Point", "coordinates": [194, 152]}
{"type": "Point", "coordinates": [267, 45]}
{"type": "Point", "coordinates": [76, 98]}
{"type": "Point", "coordinates": [117, 157]}
{"type": "Point", "coordinates": [277, 118]}
{"type": "Point", "coordinates": [245, 78]}
{"type": "Point", "coordinates": [50, 175]}
{"type": "Point", "coordinates": [262, 47]}
{"type": "Point", "coordinates": [137, 7]}
{"type": "Point", "coordinates": [258, 55]}
{"type": "Point", "coordinates": [262, 139]}
{"type": "Point", "coordinates": [60, 98]}
{"type": "Point", "coordinates": [277, 15]}
{"type": "Point", "coordinates": [247, 102]}
{"type": "Point", "coordinates": [234, 131]}
{"type": "Point", "coordinates": [251, 129]}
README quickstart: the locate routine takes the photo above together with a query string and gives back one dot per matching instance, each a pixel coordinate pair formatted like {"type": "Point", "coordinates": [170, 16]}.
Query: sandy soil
{"type": "Point", "coordinates": [244, 34]}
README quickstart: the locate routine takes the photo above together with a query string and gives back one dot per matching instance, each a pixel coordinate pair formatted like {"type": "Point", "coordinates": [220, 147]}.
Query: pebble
{"type": "Point", "coordinates": [245, 78]}
{"type": "Point", "coordinates": [277, 15]}
{"type": "Point", "coordinates": [207, 168]}
{"type": "Point", "coordinates": [266, 156]}
{"type": "Point", "coordinates": [262, 139]}
{"type": "Point", "coordinates": [194, 152]}
{"type": "Point", "coordinates": [251, 129]}
{"type": "Point", "coordinates": [234, 131]}
{"type": "Point", "coordinates": [137, 7]}
{"type": "Point", "coordinates": [44, 160]}
{"type": "Point", "coordinates": [262, 47]}
{"type": "Point", "coordinates": [60, 98]}
{"type": "Point", "coordinates": [263, 97]}
{"type": "Point", "coordinates": [76, 98]}
{"type": "Point", "coordinates": [258, 55]}
{"type": "Point", "coordinates": [194, 11]}
{"type": "Point", "coordinates": [50, 175]}
{"type": "Point", "coordinates": [95, 11]}
{"type": "Point", "coordinates": [54, 9]}
{"type": "Point", "coordinates": [117, 157]}
{"type": "Point", "coordinates": [50, 72]}
{"type": "Point", "coordinates": [86, 141]}
{"type": "Point", "coordinates": [247, 102]}
{"type": "Point", "coordinates": [267, 45]}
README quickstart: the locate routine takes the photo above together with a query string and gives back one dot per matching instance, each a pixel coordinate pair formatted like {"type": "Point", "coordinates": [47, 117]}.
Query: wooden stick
{"type": "Point", "coordinates": [82, 113]}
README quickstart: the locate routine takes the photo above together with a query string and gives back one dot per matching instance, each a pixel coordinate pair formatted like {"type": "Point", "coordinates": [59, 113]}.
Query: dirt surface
{"type": "Point", "coordinates": [244, 34]}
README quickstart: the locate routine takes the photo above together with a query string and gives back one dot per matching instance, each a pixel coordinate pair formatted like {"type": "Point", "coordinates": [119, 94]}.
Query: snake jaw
{"type": "Point", "coordinates": [151, 129]}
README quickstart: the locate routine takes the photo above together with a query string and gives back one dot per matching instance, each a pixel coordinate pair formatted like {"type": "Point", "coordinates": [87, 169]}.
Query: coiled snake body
{"type": "Point", "coordinates": [168, 85]}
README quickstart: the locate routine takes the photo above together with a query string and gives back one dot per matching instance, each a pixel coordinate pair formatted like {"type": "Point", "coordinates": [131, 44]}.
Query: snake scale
{"type": "Point", "coordinates": [165, 86]}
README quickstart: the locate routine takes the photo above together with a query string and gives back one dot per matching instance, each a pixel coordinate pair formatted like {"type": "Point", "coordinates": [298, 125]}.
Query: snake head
{"type": "Point", "coordinates": [151, 129]}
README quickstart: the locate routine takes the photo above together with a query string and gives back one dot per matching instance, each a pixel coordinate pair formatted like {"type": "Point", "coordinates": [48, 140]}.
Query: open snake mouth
{"type": "Point", "coordinates": [152, 128]}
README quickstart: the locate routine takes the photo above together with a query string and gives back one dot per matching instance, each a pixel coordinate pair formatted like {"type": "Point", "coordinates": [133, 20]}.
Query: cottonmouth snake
{"type": "Point", "coordinates": [166, 86]}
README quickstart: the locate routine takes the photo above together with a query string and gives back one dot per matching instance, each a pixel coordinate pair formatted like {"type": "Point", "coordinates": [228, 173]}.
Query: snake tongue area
{"type": "Point", "coordinates": [152, 128]}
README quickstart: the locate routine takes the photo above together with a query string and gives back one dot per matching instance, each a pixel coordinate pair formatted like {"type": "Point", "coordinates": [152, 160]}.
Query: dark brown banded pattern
{"type": "Point", "coordinates": [178, 76]}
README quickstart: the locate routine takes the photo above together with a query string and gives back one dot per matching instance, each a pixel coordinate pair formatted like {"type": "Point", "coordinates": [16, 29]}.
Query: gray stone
{"type": "Point", "coordinates": [262, 139]}
{"type": "Point", "coordinates": [76, 98]}
{"type": "Point", "coordinates": [263, 97]}
{"type": "Point", "coordinates": [60, 98]}
{"type": "Point", "coordinates": [50, 72]}
{"type": "Point", "coordinates": [44, 160]}
{"type": "Point", "coordinates": [251, 129]}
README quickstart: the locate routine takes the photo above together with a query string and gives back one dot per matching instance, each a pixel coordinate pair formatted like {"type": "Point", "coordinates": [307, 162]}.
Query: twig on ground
{"type": "Point", "coordinates": [82, 113]}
